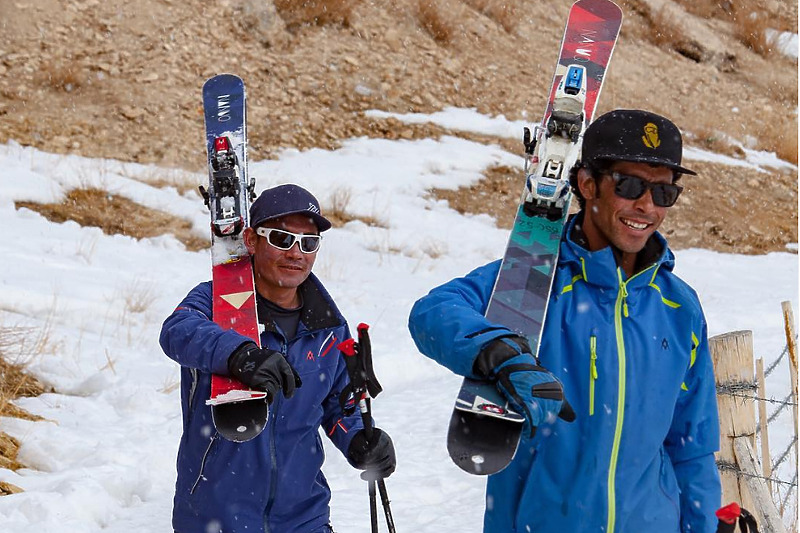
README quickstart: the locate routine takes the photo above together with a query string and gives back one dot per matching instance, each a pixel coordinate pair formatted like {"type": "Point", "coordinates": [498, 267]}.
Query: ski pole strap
{"type": "Point", "coordinates": [358, 360]}
{"type": "Point", "coordinates": [365, 354]}
{"type": "Point", "coordinates": [355, 391]}
{"type": "Point", "coordinates": [730, 514]}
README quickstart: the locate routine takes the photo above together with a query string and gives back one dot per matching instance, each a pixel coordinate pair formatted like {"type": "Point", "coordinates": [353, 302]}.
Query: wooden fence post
{"type": "Point", "coordinates": [791, 346]}
{"type": "Point", "coordinates": [763, 508]}
{"type": "Point", "coordinates": [766, 458]}
{"type": "Point", "coordinates": [732, 355]}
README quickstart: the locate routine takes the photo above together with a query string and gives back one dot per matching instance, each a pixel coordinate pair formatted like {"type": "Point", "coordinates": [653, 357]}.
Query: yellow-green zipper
{"type": "Point", "coordinates": [620, 310]}
{"type": "Point", "coordinates": [592, 371]}
{"type": "Point", "coordinates": [612, 469]}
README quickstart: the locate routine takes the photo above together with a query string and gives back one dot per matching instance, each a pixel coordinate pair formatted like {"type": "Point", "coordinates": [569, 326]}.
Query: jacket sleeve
{"type": "Point", "coordinates": [190, 337]}
{"type": "Point", "coordinates": [693, 438]}
{"type": "Point", "coordinates": [340, 428]}
{"type": "Point", "coordinates": [448, 324]}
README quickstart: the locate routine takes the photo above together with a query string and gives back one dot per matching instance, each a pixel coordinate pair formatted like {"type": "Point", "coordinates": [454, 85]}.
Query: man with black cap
{"type": "Point", "coordinates": [624, 342]}
{"type": "Point", "coordinates": [272, 483]}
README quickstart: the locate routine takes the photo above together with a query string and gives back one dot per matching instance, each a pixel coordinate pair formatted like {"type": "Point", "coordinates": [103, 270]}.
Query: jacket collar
{"type": "Point", "coordinates": [318, 310]}
{"type": "Point", "coordinates": [600, 267]}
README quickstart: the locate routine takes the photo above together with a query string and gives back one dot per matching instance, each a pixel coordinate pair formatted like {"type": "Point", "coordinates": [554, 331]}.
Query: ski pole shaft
{"type": "Point", "coordinates": [373, 507]}
{"type": "Point", "coordinates": [386, 509]}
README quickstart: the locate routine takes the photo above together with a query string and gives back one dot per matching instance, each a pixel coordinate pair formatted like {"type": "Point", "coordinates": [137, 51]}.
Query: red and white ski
{"type": "Point", "coordinates": [239, 413]}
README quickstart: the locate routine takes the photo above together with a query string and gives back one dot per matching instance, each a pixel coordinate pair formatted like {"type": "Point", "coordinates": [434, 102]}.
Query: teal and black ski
{"type": "Point", "coordinates": [484, 432]}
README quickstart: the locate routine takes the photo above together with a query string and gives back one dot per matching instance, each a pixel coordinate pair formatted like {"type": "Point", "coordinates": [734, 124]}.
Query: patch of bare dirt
{"type": "Point", "coordinates": [116, 214]}
{"type": "Point", "coordinates": [732, 220]}
{"type": "Point", "coordinates": [122, 80]}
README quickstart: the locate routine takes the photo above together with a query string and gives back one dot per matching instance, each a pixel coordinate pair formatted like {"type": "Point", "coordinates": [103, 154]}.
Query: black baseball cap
{"type": "Point", "coordinates": [634, 135]}
{"type": "Point", "coordinates": [285, 200]}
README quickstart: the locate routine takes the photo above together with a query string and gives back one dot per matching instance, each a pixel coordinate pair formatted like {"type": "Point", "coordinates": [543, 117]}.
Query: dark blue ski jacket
{"type": "Point", "coordinates": [273, 483]}
{"type": "Point", "coordinates": [632, 355]}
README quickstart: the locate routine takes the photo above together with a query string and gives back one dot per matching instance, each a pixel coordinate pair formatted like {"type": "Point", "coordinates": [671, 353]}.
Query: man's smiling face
{"type": "Point", "coordinates": [612, 220]}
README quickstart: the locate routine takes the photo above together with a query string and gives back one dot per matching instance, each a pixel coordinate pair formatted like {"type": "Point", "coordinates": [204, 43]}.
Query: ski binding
{"type": "Point", "coordinates": [547, 187]}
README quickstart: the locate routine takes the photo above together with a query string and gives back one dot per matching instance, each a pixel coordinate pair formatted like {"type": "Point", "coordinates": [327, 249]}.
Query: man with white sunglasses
{"type": "Point", "coordinates": [624, 344]}
{"type": "Point", "coordinates": [272, 483]}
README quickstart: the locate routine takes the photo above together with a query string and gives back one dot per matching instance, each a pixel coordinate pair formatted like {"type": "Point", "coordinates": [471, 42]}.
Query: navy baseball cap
{"type": "Point", "coordinates": [285, 200]}
{"type": "Point", "coordinates": [634, 135]}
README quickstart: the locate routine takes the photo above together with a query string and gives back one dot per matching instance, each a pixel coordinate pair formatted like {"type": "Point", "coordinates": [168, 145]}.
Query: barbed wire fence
{"type": "Point", "coordinates": [742, 394]}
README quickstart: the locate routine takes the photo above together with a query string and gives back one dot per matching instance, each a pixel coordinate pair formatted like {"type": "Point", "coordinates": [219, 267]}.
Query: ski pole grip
{"type": "Point", "coordinates": [347, 347]}
{"type": "Point", "coordinates": [365, 347]}
{"type": "Point", "coordinates": [730, 513]}
{"type": "Point", "coordinates": [350, 350]}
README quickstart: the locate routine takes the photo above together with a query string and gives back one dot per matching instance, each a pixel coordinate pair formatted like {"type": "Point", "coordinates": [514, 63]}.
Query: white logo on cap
{"type": "Point", "coordinates": [313, 208]}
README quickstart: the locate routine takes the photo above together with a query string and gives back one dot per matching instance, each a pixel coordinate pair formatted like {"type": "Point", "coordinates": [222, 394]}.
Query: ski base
{"type": "Point", "coordinates": [240, 421]}
{"type": "Point", "coordinates": [483, 432]}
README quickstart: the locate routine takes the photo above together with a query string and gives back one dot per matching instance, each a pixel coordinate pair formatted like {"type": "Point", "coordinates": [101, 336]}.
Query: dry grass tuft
{"type": "Point", "coordinates": [748, 17]}
{"type": "Point", "coordinates": [117, 215]}
{"type": "Point", "coordinates": [498, 193]}
{"type": "Point", "coordinates": [61, 77]}
{"type": "Point", "coordinates": [15, 383]}
{"type": "Point", "coordinates": [708, 137]}
{"type": "Point", "coordinates": [315, 12]}
{"type": "Point", "coordinates": [750, 27]}
{"type": "Point", "coordinates": [139, 297]}
{"type": "Point", "coordinates": [505, 13]}
{"type": "Point", "coordinates": [7, 489]}
{"type": "Point", "coordinates": [9, 447]}
{"type": "Point", "coordinates": [337, 211]}
{"type": "Point", "coordinates": [663, 32]}
{"type": "Point", "coordinates": [782, 141]}
{"type": "Point", "coordinates": [180, 180]}
{"type": "Point", "coordinates": [708, 9]}
{"type": "Point", "coordinates": [431, 16]}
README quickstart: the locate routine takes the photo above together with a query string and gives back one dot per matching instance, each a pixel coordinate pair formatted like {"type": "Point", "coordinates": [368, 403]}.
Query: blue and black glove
{"type": "Point", "coordinates": [530, 389]}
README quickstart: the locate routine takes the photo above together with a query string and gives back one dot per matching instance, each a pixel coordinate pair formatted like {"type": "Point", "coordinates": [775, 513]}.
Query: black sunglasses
{"type": "Point", "coordinates": [284, 240]}
{"type": "Point", "coordinates": [634, 187]}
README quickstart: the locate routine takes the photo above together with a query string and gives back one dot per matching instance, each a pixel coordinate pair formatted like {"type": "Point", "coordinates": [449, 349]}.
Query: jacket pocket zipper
{"type": "Point", "coordinates": [592, 371]}
{"type": "Point", "coordinates": [203, 464]}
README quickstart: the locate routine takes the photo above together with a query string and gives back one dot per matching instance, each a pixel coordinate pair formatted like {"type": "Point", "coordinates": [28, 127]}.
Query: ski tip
{"type": "Point", "coordinates": [223, 79]}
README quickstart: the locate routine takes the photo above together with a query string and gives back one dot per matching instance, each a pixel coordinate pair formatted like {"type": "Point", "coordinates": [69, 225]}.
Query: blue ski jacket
{"type": "Point", "coordinates": [272, 483]}
{"type": "Point", "coordinates": [632, 355]}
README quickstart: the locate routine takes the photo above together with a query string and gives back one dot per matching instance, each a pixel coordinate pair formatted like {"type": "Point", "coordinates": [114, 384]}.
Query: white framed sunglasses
{"type": "Point", "coordinates": [284, 240]}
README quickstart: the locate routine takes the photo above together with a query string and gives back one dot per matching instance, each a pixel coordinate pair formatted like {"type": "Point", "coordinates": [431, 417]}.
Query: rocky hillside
{"type": "Point", "coordinates": [122, 80]}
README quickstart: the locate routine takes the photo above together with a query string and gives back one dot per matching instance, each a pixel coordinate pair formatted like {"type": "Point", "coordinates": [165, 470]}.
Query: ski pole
{"type": "Point", "coordinates": [364, 386]}
{"type": "Point", "coordinates": [386, 509]}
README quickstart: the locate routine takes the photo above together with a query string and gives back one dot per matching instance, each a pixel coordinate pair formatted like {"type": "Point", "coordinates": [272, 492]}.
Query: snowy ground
{"type": "Point", "coordinates": [103, 459]}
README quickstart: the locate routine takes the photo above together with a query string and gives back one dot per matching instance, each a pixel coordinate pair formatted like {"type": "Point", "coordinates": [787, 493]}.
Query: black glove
{"type": "Point", "coordinates": [530, 389]}
{"type": "Point", "coordinates": [263, 369]}
{"type": "Point", "coordinates": [376, 456]}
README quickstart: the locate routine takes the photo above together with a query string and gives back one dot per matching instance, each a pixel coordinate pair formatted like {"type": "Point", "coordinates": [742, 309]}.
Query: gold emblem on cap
{"type": "Point", "coordinates": [650, 137]}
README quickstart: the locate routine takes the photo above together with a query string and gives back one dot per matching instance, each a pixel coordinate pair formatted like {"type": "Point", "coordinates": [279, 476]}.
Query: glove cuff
{"type": "Point", "coordinates": [241, 351]}
{"type": "Point", "coordinates": [499, 351]}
